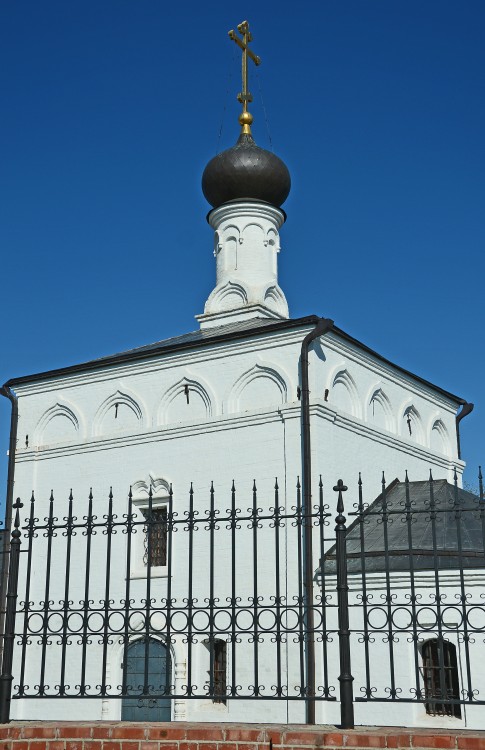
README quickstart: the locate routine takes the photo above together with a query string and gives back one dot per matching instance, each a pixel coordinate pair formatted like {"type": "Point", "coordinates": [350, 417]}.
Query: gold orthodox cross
{"type": "Point", "coordinates": [245, 118]}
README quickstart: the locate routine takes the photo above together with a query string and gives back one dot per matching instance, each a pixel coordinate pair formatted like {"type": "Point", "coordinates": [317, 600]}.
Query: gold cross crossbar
{"type": "Point", "coordinates": [245, 118]}
{"type": "Point", "coordinates": [232, 34]}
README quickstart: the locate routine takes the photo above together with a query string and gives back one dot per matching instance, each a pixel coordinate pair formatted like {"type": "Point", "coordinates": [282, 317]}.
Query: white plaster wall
{"type": "Point", "coordinates": [242, 422]}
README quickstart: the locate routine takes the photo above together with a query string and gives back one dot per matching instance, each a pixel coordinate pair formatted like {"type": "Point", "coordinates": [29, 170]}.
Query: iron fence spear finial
{"type": "Point", "coordinates": [340, 488]}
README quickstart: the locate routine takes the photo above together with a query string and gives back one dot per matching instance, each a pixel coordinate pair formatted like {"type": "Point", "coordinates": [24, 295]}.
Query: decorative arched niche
{"type": "Point", "coordinates": [379, 409]}
{"type": "Point", "coordinates": [186, 401]}
{"type": "Point", "coordinates": [121, 412]}
{"type": "Point", "coordinates": [439, 440]}
{"type": "Point", "coordinates": [275, 300]}
{"type": "Point", "coordinates": [61, 423]}
{"type": "Point", "coordinates": [411, 424]}
{"type": "Point", "coordinates": [227, 297]}
{"type": "Point", "coordinates": [272, 239]}
{"type": "Point", "coordinates": [140, 489]}
{"type": "Point", "coordinates": [261, 387]}
{"type": "Point", "coordinates": [230, 242]}
{"type": "Point", "coordinates": [343, 393]}
{"type": "Point", "coordinates": [252, 240]}
{"type": "Point", "coordinates": [253, 232]}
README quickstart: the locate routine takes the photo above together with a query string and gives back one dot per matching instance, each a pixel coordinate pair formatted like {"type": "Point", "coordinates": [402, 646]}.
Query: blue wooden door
{"type": "Point", "coordinates": [146, 708]}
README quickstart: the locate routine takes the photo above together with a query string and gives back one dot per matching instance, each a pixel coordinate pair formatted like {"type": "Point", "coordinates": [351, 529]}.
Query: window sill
{"type": "Point", "coordinates": [155, 572]}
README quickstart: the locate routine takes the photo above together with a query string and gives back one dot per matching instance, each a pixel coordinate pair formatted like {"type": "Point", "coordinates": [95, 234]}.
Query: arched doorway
{"type": "Point", "coordinates": [145, 708]}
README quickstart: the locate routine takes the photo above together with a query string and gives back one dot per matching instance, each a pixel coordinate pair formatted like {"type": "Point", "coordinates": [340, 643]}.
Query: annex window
{"type": "Point", "coordinates": [155, 536]}
{"type": "Point", "coordinates": [440, 676]}
{"type": "Point", "coordinates": [219, 666]}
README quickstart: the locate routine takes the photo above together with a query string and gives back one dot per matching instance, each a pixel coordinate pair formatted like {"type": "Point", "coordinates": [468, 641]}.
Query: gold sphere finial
{"type": "Point", "coordinates": [246, 119]}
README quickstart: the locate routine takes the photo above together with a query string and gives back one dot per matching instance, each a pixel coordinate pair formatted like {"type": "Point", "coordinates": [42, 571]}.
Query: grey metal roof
{"type": "Point", "coordinates": [197, 337]}
{"type": "Point", "coordinates": [456, 536]}
{"type": "Point", "coordinates": [242, 329]}
{"type": "Point", "coordinates": [222, 334]}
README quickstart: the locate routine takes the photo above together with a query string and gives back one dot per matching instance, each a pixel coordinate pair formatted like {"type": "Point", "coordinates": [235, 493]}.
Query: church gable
{"type": "Point", "coordinates": [234, 380]}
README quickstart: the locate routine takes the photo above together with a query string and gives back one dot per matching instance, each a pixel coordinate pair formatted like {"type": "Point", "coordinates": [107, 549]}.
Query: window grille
{"type": "Point", "coordinates": [441, 681]}
{"type": "Point", "coordinates": [220, 658]}
{"type": "Point", "coordinates": [155, 537]}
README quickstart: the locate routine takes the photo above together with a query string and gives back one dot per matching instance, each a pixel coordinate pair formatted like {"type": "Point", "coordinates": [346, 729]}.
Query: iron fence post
{"type": "Point", "coordinates": [345, 677]}
{"type": "Point", "coordinates": [6, 677]}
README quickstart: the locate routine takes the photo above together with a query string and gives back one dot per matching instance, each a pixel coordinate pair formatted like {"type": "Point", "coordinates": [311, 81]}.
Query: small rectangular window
{"type": "Point", "coordinates": [440, 676]}
{"type": "Point", "coordinates": [155, 537]}
{"type": "Point", "coordinates": [219, 667]}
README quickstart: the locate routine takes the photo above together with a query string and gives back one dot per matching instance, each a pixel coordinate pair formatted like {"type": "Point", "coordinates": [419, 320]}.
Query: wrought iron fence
{"type": "Point", "coordinates": [104, 602]}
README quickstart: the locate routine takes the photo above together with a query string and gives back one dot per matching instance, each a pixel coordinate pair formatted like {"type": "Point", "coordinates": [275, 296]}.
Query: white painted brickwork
{"type": "Point", "coordinates": [219, 412]}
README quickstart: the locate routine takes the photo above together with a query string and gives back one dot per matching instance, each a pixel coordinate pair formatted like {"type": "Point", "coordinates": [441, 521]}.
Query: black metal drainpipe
{"type": "Point", "coordinates": [5, 391]}
{"type": "Point", "coordinates": [466, 409]}
{"type": "Point", "coordinates": [323, 326]}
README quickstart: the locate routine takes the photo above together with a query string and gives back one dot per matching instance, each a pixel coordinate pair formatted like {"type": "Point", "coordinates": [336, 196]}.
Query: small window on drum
{"type": "Point", "coordinates": [155, 536]}
{"type": "Point", "coordinates": [441, 679]}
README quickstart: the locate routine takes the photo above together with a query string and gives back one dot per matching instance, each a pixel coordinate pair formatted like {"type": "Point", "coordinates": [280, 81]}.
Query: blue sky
{"type": "Point", "coordinates": [110, 111]}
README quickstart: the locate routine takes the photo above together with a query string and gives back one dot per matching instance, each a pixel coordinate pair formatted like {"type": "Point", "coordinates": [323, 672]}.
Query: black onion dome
{"type": "Point", "coordinates": [246, 171]}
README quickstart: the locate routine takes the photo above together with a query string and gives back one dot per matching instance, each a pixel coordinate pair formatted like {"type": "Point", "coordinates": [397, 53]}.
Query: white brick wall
{"type": "Point", "coordinates": [131, 423]}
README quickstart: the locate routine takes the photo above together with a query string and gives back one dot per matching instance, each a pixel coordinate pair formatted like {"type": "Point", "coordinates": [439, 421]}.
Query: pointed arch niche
{"type": "Point", "coordinates": [61, 423]}
{"type": "Point", "coordinates": [344, 394]}
{"type": "Point", "coordinates": [411, 425]}
{"type": "Point", "coordinates": [227, 297]}
{"type": "Point", "coordinates": [439, 440]}
{"type": "Point", "coordinates": [187, 401]}
{"type": "Point", "coordinates": [379, 409]}
{"type": "Point", "coordinates": [275, 300]}
{"type": "Point", "coordinates": [261, 387]}
{"type": "Point", "coordinates": [120, 412]}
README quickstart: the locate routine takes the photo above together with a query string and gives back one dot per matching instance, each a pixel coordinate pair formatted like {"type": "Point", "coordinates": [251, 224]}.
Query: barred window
{"type": "Point", "coordinates": [441, 680]}
{"type": "Point", "coordinates": [219, 667]}
{"type": "Point", "coordinates": [155, 537]}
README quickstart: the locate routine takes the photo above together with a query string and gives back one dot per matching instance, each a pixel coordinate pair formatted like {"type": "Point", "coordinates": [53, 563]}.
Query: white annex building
{"type": "Point", "coordinates": [105, 606]}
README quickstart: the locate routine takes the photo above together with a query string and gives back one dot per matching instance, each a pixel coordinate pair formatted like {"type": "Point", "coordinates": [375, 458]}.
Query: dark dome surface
{"type": "Point", "coordinates": [246, 171]}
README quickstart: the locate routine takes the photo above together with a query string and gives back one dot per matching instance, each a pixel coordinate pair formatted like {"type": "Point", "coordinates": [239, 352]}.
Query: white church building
{"type": "Point", "coordinates": [222, 404]}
